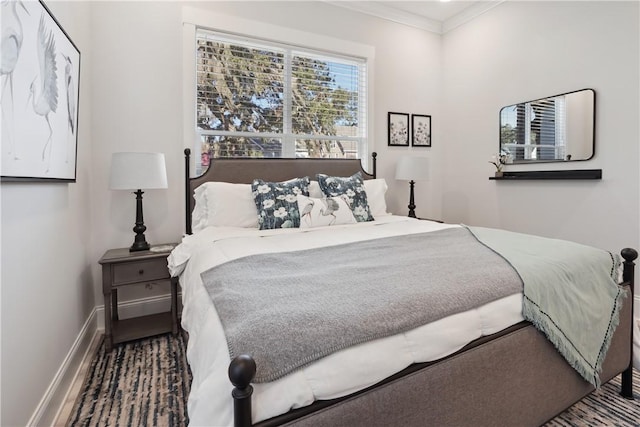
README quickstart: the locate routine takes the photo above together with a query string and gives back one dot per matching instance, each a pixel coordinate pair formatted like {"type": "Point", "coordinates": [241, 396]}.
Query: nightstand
{"type": "Point", "coordinates": [122, 268]}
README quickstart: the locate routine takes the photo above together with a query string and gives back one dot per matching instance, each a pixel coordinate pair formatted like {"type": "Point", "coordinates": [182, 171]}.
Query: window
{"type": "Point", "coordinates": [263, 99]}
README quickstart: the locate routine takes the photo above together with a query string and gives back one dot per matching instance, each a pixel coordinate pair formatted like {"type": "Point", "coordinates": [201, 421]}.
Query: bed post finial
{"type": "Point", "coordinates": [242, 369]}
{"type": "Point", "coordinates": [629, 256]}
{"type": "Point", "coordinates": [374, 155]}
{"type": "Point", "coordinates": [187, 190]}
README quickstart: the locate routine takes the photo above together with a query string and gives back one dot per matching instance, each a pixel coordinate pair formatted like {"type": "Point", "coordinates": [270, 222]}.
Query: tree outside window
{"type": "Point", "coordinates": [259, 99]}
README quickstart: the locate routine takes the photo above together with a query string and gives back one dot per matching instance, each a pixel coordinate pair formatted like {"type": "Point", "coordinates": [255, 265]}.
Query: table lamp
{"type": "Point", "coordinates": [137, 171]}
{"type": "Point", "coordinates": [412, 168]}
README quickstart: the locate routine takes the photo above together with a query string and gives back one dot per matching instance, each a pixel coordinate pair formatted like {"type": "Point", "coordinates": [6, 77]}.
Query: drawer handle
{"type": "Point", "coordinates": [141, 272]}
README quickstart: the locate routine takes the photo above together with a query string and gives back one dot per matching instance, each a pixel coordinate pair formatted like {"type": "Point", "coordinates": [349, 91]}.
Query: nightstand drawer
{"type": "Point", "coordinates": [140, 271]}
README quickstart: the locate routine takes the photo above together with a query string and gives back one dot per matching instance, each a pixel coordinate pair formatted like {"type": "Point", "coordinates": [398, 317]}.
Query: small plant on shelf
{"type": "Point", "coordinates": [499, 160]}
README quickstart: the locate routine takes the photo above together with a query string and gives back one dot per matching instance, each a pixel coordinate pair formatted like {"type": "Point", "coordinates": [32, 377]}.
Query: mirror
{"type": "Point", "coordinates": [559, 128]}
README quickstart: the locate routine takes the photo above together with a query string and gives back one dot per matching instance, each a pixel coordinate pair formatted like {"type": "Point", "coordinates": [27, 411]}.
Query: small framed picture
{"type": "Point", "coordinates": [398, 129]}
{"type": "Point", "coordinates": [420, 130]}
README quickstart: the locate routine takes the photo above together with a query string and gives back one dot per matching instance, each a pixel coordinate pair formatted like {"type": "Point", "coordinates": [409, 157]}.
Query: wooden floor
{"type": "Point", "coordinates": [67, 406]}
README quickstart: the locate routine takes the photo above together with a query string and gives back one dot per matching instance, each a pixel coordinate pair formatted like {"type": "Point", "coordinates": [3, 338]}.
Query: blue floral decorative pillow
{"type": "Point", "coordinates": [353, 188]}
{"type": "Point", "coordinates": [277, 202]}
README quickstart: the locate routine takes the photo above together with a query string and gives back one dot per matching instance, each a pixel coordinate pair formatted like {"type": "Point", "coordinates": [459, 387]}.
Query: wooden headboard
{"type": "Point", "coordinates": [245, 170]}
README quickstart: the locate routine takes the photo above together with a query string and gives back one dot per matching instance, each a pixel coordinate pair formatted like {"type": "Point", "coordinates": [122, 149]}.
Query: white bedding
{"type": "Point", "coordinates": [336, 375]}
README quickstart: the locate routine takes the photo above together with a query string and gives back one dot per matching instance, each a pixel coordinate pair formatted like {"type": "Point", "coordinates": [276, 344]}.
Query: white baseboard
{"type": "Point", "coordinates": [54, 399]}
{"type": "Point", "coordinates": [47, 410]}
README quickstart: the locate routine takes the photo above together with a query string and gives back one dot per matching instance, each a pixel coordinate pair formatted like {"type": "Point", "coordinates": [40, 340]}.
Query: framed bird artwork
{"type": "Point", "coordinates": [40, 95]}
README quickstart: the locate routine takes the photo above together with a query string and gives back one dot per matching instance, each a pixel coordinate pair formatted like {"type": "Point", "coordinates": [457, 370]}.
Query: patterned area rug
{"type": "Point", "coordinates": [146, 383]}
{"type": "Point", "coordinates": [603, 407]}
{"type": "Point", "coordinates": [140, 383]}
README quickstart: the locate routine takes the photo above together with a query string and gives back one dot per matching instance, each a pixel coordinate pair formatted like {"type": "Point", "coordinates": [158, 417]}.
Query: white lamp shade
{"type": "Point", "coordinates": [412, 168]}
{"type": "Point", "coordinates": [137, 171]}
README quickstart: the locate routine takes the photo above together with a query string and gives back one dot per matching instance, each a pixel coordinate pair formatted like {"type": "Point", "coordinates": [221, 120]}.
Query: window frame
{"type": "Point", "coordinates": [194, 18]}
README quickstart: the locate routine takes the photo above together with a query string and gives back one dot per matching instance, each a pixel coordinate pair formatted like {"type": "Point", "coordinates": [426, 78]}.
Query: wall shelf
{"type": "Point", "coordinates": [552, 174]}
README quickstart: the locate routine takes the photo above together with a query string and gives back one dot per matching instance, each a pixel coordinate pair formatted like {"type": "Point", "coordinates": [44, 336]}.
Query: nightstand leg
{"type": "Point", "coordinates": [108, 339]}
{"type": "Point", "coordinates": [174, 305]}
{"type": "Point", "coordinates": [114, 303]}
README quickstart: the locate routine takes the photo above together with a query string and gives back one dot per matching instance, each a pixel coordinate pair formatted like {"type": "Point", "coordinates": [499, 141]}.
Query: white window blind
{"type": "Point", "coordinates": [535, 130]}
{"type": "Point", "coordinates": [262, 99]}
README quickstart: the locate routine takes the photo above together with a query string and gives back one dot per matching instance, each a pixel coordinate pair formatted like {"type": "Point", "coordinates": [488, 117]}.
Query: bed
{"type": "Point", "coordinates": [473, 365]}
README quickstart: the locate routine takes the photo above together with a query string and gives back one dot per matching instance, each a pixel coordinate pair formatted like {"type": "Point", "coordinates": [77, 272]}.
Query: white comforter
{"type": "Point", "coordinates": [336, 375]}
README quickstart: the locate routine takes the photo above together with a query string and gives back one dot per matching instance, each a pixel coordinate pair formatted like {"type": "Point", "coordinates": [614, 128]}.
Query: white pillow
{"type": "Point", "coordinates": [223, 204]}
{"type": "Point", "coordinates": [232, 205]}
{"type": "Point", "coordinates": [319, 212]}
{"type": "Point", "coordinates": [199, 213]}
{"type": "Point", "coordinates": [376, 189]}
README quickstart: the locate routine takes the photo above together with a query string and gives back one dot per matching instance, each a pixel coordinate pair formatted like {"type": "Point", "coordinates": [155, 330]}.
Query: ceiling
{"type": "Point", "coordinates": [432, 15]}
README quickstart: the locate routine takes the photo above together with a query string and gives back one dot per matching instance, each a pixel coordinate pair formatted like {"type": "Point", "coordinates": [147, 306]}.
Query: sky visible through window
{"type": "Point", "coordinates": [345, 76]}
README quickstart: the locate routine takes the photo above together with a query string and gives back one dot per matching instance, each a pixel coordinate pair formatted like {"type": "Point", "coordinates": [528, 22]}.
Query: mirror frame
{"type": "Point", "coordinates": [527, 162]}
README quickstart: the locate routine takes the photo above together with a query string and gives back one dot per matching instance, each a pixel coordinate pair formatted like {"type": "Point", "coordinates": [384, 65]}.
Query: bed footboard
{"type": "Point", "coordinates": [629, 256]}
{"type": "Point", "coordinates": [243, 368]}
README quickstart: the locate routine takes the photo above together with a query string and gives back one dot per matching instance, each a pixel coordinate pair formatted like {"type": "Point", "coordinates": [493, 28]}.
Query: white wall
{"type": "Point", "coordinates": [528, 50]}
{"type": "Point", "coordinates": [47, 289]}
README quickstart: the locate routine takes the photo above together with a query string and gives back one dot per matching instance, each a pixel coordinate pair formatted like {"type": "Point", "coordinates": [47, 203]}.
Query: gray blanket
{"type": "Point", "coordinates": [290, 309]}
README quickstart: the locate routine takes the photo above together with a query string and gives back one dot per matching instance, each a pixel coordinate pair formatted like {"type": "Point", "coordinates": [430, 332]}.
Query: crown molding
{"type": "Point", "coordinates": [412, 20]}
{"type": "Point", "coordinates": [390, 14]}
{"type": "Point", "coordinates": [469, 13]}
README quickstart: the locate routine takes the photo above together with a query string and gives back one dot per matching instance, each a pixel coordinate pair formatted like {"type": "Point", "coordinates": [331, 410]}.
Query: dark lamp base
{"type": "Point", "coordinates": [139, 246]}
{"type": "Point", "coordinates": [139, 243]}
{"type": "Point", "coordinates": [412, 205]}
